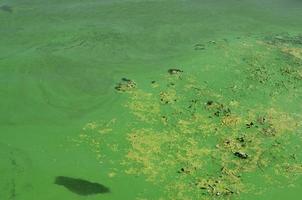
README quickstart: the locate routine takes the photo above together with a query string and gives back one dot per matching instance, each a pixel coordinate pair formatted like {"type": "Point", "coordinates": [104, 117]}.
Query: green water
{"type": "Point", "coordinates": [61, 60]}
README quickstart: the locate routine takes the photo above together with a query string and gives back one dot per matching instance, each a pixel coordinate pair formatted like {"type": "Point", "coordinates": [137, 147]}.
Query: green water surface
{"type": "Point", "coordinates": [61, 60]}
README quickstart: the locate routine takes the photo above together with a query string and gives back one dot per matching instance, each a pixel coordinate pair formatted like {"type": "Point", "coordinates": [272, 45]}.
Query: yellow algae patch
{"type": "Point", "coordinates": [94, 133]}
{"type": "Point", "coordinates": [168, 96]}
{"type": "Point", "coordinates": [281, 122]}
{"type": "Point", "coordinates": [204, 148]}
{"type": "Point", "coordinates": [203, 143]}
{"type": "Point", "coordinates": [296, 52]}
{"type": "Point", "coordinates": [230, 120]}
{"type": "Point", "coordinates": [146, 150]}
{"type": "Point", "coordinates": [144, 106]}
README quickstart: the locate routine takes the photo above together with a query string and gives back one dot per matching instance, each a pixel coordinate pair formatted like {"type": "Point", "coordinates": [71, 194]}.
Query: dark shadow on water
{"type": "Point", "coordinates": [80, 186]}
{"type": "Point", "coordinates": [6, 8]}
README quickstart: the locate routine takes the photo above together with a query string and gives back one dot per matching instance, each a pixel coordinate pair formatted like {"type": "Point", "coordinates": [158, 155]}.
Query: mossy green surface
{"type": "Point", "coordinates": [86, 93]}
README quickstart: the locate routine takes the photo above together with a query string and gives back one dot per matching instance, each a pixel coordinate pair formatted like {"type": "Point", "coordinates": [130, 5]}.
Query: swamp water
{"type": "Point", "coordinates": [142, 99]}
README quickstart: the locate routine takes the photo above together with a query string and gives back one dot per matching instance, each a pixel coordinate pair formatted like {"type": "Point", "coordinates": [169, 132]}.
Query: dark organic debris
{"type": "Point", "coordinates": [80, 186]}
{"type": "Point", "coordinates": [214, 187]}
{"type": "Point", "coordinates": [250, 125]}
{"type": "Point", "coordinates": [293, 156]}
{"type": "Point", "coordinates": [199, 47]}
{"type": "Point", "coordinates": [164, 119]}
{"type": "Point", "coordinates": [242, 140]}
{"type": "Point", "coordinates": [261, 120]}
{"type": "Point", "coordinates": [210, 102]}
{"type": "Point", "coordinates": [193, 104]}
{"type": "Point", "coordinates": [219, 109]}
{"type": "Point", "coordinates": [184, 170]}
{"type": "Point", "coordinates": [224, 112]}
{"type": "Point", "coordinates": [174, 71]}
{"type": "Point", "coordinates": [260, 73]}
{"type": "Point", "coordinates": [227, 142]}
{"type": "Point", "coordinates": [126, 79]}
{"type": "Point", "coordinates": [6, 8]}
{"type": "Point", "coordinates": [241, 155]}
{"type": "Point", "coordinates": [125, 85]}
{"type": "Point", "coordinates": [265, 127]}
{"type": "Point", "coordinates": [170, 84]}
{"type": "Point", "coordinates": [167, 98]}
{"type": "Point", "coordinates": [269, 131]}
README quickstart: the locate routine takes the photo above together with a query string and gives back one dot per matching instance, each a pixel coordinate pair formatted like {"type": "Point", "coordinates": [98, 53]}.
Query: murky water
{"type": "Point", "coordinates": [137, 99]}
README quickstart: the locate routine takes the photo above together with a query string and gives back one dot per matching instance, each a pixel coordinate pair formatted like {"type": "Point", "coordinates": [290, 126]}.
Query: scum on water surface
{"type": "Point", "coordinates": [200, 142]}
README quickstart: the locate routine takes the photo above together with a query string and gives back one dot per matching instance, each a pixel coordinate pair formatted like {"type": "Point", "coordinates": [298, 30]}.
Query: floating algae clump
{"type": "Point", "coordinates": [204, 149]}
{"type": "Point", "coordinates": [198, 142]}
{"type": "Point", "coordinates": [125, 85]}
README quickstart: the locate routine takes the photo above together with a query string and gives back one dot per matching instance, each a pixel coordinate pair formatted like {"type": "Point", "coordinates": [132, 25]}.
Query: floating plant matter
{"type": "Point", "coordinates": [125, 85]}
{"type": "Point", "coordinates": [199, 142]}
{"type": "Point", "coordinates": [174, 71]}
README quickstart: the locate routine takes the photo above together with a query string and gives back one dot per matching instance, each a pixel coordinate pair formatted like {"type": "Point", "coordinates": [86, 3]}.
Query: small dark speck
{"type": "Point", "coordinates": [241, 155]}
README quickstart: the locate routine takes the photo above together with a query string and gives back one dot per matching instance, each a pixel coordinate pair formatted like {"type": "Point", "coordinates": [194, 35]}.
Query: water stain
{"type": "Point", "coordinates": [81, 186]}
